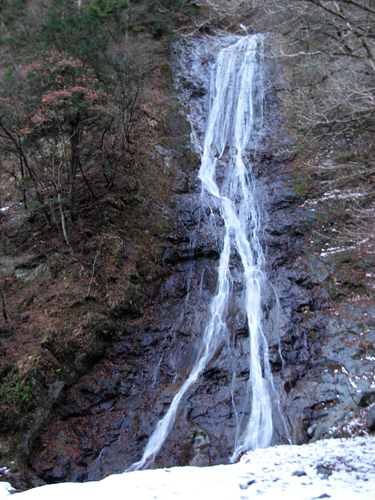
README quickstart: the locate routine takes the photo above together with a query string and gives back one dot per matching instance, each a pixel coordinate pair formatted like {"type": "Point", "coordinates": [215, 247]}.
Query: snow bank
{"type": "Point", "coordinates": [5, 489]}
{"type": "Point", "coordinates": [338, 469]}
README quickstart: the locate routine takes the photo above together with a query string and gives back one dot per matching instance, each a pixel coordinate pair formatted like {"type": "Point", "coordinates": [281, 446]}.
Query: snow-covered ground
{"type": "Point", "coordinates": [336, 468]}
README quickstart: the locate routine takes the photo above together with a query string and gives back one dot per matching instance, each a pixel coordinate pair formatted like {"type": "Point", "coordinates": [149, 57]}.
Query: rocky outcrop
{"type": "Point", "coordinates": [105, 419]}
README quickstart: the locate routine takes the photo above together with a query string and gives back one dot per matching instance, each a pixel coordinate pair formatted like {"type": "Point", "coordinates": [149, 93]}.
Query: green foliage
{"type": "Point", "coordinates": [136, 28]}
{"type": "Point", "coordinates": [35, 206]}
{"type": "Point", "coordinates": [162, 18]}
{"type": "Point", "coordinates": [78, 33]}
{"type": "Point", "coordinates": [13, 10]}
{"type": "Point", "coordinates": [56, 201]}
{"type": "Point", "coordinates": [14, 15]}
{"type": "Point", "coordinates": [104, 9]}
{"type": "Point", "coordinates": [16, 392]}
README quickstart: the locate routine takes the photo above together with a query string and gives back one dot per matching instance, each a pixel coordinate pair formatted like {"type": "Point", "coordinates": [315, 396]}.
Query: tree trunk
{"type": "Point", "coordinates": [74, 156]}
{"type": "Point", "coordinates": [23, 188]}
{"type": "Point", "coordinates": [4, 308]}
{"type": "Point", "coordinates": [63, 220]}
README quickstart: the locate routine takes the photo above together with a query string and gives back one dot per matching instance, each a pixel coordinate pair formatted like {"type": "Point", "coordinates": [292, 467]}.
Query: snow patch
{"type": "Point", "coordinates": [6, 489]}
{"type": "Point", "coordinates": [336, 194]}
{"type": "Point", "coordinates": [333, 250]}
{"type": "Point", "coordinates": [336, 468]}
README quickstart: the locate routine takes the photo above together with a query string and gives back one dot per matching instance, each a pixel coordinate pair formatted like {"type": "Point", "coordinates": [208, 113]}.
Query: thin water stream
{"type": "Point", "coordinates": [232, 128]}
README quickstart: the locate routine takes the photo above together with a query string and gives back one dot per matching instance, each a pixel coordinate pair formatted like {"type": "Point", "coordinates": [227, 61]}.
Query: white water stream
{"type": "Point", "coordinates": [236, 102]}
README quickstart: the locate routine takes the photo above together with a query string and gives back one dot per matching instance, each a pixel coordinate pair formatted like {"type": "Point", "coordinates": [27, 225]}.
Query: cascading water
{"type": "Point", "coordinates": [232, 128]}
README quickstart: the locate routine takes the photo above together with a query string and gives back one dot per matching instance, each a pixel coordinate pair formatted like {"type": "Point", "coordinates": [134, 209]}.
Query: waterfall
{"type": "Point", "coordinates": [233, 126]}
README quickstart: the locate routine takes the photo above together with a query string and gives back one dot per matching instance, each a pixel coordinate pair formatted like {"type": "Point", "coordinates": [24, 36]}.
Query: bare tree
{"type": "Point", "coordinates": [327, 49]}
{"type": "Point", "coordinates": [3, 306]}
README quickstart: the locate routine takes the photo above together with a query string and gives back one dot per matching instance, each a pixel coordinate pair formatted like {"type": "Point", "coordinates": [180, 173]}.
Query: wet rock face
{"type": "Point", "coordinates": [106, 418]}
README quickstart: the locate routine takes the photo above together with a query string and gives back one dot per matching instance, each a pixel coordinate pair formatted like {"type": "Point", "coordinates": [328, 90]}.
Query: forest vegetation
{"type": "Point", "coordinates": [84, 96]}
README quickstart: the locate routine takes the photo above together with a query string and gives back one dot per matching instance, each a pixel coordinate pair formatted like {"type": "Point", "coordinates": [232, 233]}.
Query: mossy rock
{"type": "Point", "coordinates": [117, 252]}
{"type": "Point", "coordinates": [176, 124]}
{"type": "Point", "coordinates": [130, 303]}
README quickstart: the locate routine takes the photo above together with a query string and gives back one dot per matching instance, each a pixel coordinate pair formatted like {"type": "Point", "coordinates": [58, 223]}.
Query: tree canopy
{"type": "Point", "coordinates": [64, 98]}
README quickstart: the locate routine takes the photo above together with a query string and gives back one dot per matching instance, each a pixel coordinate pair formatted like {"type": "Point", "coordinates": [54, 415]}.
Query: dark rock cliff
{"type": "Point", "coordinates": [105, 418]}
